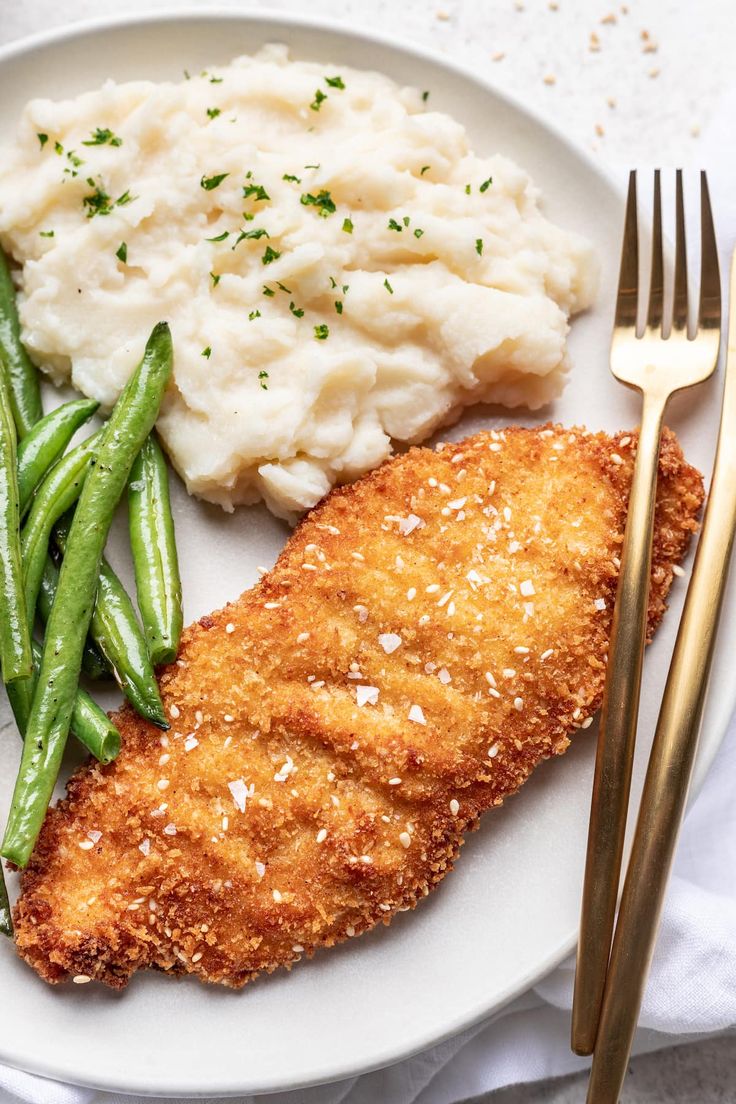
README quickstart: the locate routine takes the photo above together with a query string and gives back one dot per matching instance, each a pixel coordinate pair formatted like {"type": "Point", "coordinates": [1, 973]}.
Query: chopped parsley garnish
{"type": "Point", "coordinates": [270, 255]}
{"type": "Point", "coordinates": [486, 184]}
{"type": "Point", "coordinates": [311, 166]}
{"type": "Point", "coordinates": [259, 232]}
{"type": "Point", "coordinates": [322, 332]}
{"type": "Point", "coordinates": [394, 225]}
{"type": "Point", "coordinates": [335, 82]}
{"type": "Point", "coordinates": [479, 246]}
{"type": "Point", "coordinates": [347, 225]}
{"type": "Point", "coordinates": [345, 288]}
{"type": "Point", "coordinates": [254, 314]}
{"type": "Point", "coordinates": [122, 252]}
{"type": "Point", "coordinates": [467, 189]}
{"type": "Point", "coordinates": [43, 139]}
{"type": "Point", "coordinates": [283, 287]}
{"type": "Point", "coordinates": [296, 311]}
{"type": "Point", "coordinates": [213, 112]}
{"type": "Point", "coordinates": [322, 201]}
{"type": "Point", "coordinates": [215, 80]}
{"type": "Point", "coordinates": [103, 136]}
{"type": "Point", "coordinates": [100, 203]}
{"type": "Point", "coordinates": [418, 233]}
{"type": "Point", "coordinates": [187, 75]}
{"type": "Point", "coordinates": [406, 220]}
{"type": "Point", "coordinates": [207, 353]}
{"type": "Point", "coordinates": [338, 306]}
{"type": "Point", "coordinates": [210, 182]}
{"type": "Point", "coordinates": [319, 99]}
{"type": "Point", "coordinates": [388, 287]}
{"type": "Point", "coordinates": [263, 376]}
{"type": "Point", "coordinates": [248, 216]}
{"type": "Point", "coordinates": [333, 282]}
{"type": "Point", "coordinates": [58, 149]}
{"type": "Point", "coordinates": [215, 279]}
{"type": "Point", "coordinates": [75, 161]}
{"type": "Point", "coordinates": [257, 191]}
{"type": "Point", "coordinates": [269, 292]}
{"type": "Point", "coordinates": [46, 233]}
{"type": "Point", "coordinates": [424, 168]}
{"type": "Point", "coordinates": [219, 237]}
{"type": "Point", "coordinates": [291, 178]}
{"type": "Point", "coordinates": [425, 96]}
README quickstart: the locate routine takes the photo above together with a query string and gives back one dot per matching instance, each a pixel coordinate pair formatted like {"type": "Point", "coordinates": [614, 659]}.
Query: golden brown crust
{"type": "Point", "coordinates": [279, 815]}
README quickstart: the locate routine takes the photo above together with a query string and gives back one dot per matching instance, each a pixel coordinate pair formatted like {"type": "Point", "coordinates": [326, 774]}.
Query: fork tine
{"type": "Point", "coordinates": [680, 305]}
{"type": "Point", "coordinates": [656, 285]}
{"type": "Point", "coordinates": [709, 315]}
{"type": "Point", "coordinates": [628, 281]}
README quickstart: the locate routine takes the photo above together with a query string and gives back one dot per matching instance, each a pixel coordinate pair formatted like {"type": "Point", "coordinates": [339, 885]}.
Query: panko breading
{"type": "Point", "coordinates": [427, 636]}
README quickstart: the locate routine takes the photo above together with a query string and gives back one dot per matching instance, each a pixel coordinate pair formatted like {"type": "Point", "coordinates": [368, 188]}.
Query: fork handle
{"type": "Point", "coordinates": [617, 734]}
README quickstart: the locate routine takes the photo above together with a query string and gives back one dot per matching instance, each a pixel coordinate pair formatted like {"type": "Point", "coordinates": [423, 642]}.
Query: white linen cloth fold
{"type": "Point", "coordinates": [692, 986]}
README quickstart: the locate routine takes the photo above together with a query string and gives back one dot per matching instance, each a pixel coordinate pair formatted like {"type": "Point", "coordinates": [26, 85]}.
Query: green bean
{"type": "Point", "coordinates": [115, 630]}
{"type": "Point", "coordinates": [15, 639]}
{"type": "Point", "coordinates": [94, 663]}
{"type": "Point", "coordinates": [93, 728]}
{"type": "Point", "coordinates": [20, 696]}
{"type": "Point", "coordinates": [60, 489]}
{"type": "Point", "coordinates": [130, 423]}
{"type": "Point", "coordinates": [89, 724]}
{"type": "Point", "coordinates": [25, 393]}
{"type": "Point", "coordinates": [117, 633]}
{"type": "Point", "coordinates": [46, 442]}
{"type": "Point", "coordinates": [153, 542]}
{"type": "Point", "coordinates": [6, 918]}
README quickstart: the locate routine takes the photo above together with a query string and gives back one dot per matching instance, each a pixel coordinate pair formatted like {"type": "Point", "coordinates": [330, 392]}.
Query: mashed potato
{"type": "Point", "coordinates": [338, 267]}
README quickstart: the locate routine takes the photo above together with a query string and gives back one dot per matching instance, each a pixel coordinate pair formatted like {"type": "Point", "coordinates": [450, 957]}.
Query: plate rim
{"type": "Point", "coordinates": [226, 1087]}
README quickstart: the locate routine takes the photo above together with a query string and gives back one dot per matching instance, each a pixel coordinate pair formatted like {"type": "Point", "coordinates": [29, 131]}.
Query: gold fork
{"type": "Point", "coordinates": [658, 360]}
{"type": "Point", "coordinates": [672, 758]}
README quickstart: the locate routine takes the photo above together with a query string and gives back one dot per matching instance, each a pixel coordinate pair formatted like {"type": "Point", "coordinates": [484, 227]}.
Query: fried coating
{"type": "Point", "coordinates": [428, 635]}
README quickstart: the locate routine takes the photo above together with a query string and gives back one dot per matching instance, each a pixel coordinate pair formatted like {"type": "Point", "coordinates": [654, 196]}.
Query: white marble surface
{"type": "Point", "coordinates": [633, 82]}
{"type": "Point", "coordinates": [655, 117]}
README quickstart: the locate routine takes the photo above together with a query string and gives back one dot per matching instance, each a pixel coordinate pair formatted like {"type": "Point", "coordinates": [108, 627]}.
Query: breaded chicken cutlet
{"type": "Point", "coordinates": [428, 635]}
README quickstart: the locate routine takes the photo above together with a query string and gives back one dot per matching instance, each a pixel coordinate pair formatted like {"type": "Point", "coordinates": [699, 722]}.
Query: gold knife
{"type": "Point", "coordinates": [671, 761]}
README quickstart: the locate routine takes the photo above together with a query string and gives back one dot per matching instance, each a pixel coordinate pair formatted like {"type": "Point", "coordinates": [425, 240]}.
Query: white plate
{"type": "Point", "coordinates": [509, 911]}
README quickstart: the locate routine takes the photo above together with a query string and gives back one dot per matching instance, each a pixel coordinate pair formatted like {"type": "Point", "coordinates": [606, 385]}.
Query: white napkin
{"type": "Point", "coordinates": [692, 987]}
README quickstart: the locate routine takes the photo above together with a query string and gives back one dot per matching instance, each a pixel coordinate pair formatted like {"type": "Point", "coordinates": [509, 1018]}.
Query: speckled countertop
{"type": "Point", "coordinates": [632, 82]}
